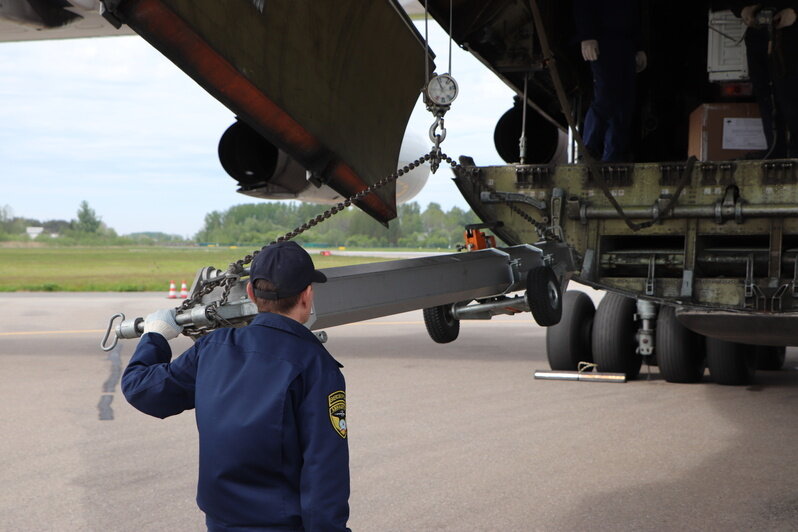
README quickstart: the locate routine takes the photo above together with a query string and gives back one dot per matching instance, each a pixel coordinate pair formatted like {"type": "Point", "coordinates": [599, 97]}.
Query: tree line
{"type": "Point", "coordinates": [87, 228]}
{"type": "Point", "coordinates": [256, 224]}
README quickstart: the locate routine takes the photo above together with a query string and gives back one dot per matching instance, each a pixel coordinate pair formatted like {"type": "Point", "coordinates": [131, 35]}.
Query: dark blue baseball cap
{"type": "Point", "coordinates": [287, 266]}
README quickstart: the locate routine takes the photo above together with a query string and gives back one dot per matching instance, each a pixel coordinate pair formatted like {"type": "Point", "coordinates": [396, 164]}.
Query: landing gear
{"type": "Point", "coordinates": [731, 363]}
{"type": "Point", "coordinates": [441, 325]}
{"type": "Point", "coordinates": [618, 333]}
{"type": "Point", "coordinates": [569, 342]}
{"type": "Point", "coordinates": [543, 296]}
{"type": "Point", "coordinates": [680, 351]}
{"type": "Point", "coordinates": [770, 358]}
{"type": "Point", "coordinates": [613, 338]}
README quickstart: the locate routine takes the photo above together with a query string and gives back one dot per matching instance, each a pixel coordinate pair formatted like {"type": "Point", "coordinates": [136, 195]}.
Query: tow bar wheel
{"type": "Point", "coordinates": [543, 296]}
{"type": "Point", "coordinates": [441, 325]}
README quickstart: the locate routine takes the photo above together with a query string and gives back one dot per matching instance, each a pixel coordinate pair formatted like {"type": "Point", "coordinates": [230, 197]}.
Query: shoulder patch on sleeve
{"type": "Point", "coordinates": [337, 404]}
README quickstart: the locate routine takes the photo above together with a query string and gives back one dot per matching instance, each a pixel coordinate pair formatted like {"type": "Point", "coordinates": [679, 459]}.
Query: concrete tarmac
{"type": "Point", "coordinates": [455, 437]}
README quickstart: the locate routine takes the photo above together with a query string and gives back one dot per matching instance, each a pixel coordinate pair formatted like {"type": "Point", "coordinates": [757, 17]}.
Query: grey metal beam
{"type": "Point", "coordinates": [367, 291]}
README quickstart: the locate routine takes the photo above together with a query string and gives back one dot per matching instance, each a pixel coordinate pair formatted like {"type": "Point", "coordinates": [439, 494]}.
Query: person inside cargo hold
{"type": "Point", "coordinates": [610, 37]}
{"type": "Point", "coordinates": [270, 405]}
{"type": "Point", "coordinates": [771, 41]}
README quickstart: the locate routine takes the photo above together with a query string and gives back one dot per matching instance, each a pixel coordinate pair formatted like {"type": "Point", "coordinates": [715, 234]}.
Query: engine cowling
{"type": "Point", "coordinates": [264, 171]}
{"type": "Point", "coordinates": [545, 143]}
{"type": "Point", "coordinates": [260, 168]}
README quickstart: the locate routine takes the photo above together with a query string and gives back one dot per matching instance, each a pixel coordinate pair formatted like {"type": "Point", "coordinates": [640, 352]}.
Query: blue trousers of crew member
{"type": "Point", "coordinates": [775, 80]}
{"type": "Point", "coordinates": [609, 119]}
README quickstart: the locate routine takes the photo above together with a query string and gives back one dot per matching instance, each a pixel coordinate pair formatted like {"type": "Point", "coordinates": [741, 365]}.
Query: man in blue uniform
{"type": "Point", "coordinates": [270, 405]}
{"type": "Point", "coordinates": [610, 39]}
{"type": "Point", "coordinates": [771, 42]}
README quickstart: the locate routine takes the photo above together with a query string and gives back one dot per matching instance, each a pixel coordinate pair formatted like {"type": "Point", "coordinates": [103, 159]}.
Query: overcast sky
{"type": "Point", "coordinates": [111, 121]}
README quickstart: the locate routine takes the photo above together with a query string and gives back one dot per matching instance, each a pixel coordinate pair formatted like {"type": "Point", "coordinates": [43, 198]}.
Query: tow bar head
{"type": "Point", "coordinates": [108, 333]}
{"type": "Point", "coordinates": [132, 328]}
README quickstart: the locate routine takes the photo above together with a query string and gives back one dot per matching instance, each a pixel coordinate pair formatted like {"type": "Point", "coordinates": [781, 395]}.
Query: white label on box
{"type": "Point", "coordinates": [743, 134]}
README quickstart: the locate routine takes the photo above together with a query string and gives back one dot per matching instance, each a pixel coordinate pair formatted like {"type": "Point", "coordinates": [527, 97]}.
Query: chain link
{"type": "Point", "coordinates": [228, 279]}
{"type": "Point", "coordinates": [234, 271]}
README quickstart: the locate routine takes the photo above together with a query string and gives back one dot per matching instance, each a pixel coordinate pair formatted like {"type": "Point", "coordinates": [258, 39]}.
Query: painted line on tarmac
{"type": "Point", "coordinates": [35, 333]}
{"type": "Point", "coordinates": [482, 322]}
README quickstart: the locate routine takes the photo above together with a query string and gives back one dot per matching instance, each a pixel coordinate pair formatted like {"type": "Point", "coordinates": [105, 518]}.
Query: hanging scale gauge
{"type": "Point", "coordinates": [441, 90]}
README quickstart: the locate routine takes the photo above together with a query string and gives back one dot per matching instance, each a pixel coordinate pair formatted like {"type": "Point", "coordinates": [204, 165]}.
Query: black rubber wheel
{"type": "Point", "coordinates": [731, 363]}
{"type": "Point", "coordinates": [680, 351]}
{"type": "Point", "coordinates": [769, 358]}
{"type": "Point", "coordinates": [543, 296]}
{"type": "Point", "coordinates": [441, 325]}
{"type": "Point", "coordinates": [614, 336]}
{"type": "Point", "coordinates": [569, 342]}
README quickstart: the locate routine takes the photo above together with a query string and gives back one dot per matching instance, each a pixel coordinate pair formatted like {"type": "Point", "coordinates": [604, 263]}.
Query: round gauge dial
{"type": "Point", "coordinates": [442, 89]}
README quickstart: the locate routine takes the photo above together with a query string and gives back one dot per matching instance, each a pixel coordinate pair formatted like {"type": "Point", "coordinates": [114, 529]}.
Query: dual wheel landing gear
{"type": "Point", "coordinates": [543, 299]}
{"type": "Point", "coordinates": [614, 336]}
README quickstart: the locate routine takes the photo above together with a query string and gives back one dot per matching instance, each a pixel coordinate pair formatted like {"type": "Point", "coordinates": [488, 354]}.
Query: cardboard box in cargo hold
{"type": "Point", "coordinates": [723, 131]}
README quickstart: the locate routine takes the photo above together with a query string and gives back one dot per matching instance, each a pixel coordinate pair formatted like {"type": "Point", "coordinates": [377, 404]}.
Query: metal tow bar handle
{"type": "Point", "coordinates": [134, 328]}
{"type": "Point", "coordinates": [196, 317]}
{"type": "Point", "coordinates": [125, 329]}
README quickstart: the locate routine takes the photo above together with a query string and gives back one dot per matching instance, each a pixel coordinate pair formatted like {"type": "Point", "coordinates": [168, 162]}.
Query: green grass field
{"type": "Point", "coordinates": [112, 269]}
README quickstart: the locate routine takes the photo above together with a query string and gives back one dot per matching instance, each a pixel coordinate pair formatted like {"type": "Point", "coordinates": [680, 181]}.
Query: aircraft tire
{"type": "Point", "coordinates": [769, 358]}
{"type": "Point", "coordinates": [613, 338]}
{"type": "Point", "coordinates": [569, 342]}
{"type": "Point", "coordinates": [441, 325]}
{"type": "Point", "coordinates": [543, 296]}
{"type": "Point", "coordinates": [730, 363]}
{"type": "Point", "coordinates": [680, 352]}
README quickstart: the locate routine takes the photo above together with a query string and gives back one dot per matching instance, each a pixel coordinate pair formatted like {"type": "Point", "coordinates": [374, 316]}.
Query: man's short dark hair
{"type": "Point", "coordinates": [280, 306]}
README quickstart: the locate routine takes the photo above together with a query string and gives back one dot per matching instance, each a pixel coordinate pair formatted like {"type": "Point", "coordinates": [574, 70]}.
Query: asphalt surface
{"type": "Point", "coordinates": [443, 437]}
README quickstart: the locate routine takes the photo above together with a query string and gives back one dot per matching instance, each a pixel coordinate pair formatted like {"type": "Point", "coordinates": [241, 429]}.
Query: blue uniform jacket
{"type": "Point", "coordinates": [608, 20]}
{"type": "Point", "coordinates": [271, 414]}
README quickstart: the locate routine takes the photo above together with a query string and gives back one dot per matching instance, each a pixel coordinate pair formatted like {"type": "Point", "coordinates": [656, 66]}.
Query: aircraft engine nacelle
{"type": "Point", "coordinates": [43, 14]}
{"type": "Point", "coordinates": [264, 171]}
{"type": "Point", "coordinates": [545, 142]}
{"type": "Point", "coordinates": [261, 169]}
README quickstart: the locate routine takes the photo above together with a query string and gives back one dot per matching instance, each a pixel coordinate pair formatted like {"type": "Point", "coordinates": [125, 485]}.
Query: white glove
{"type": "Point", "coordinates": [163, 322]}
{"type": "Point", "coordinates": [590, 50]}
{"type": "Point", "coordinates": [785, 18]}
{"type": "Point", "coordinates": [748, 14]}
{"type": "Point", "coordinates": [641, 61]}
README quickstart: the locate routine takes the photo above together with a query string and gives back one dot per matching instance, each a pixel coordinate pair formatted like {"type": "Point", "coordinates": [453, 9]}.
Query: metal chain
{"type": "Point", "coordinates": [228, 279]}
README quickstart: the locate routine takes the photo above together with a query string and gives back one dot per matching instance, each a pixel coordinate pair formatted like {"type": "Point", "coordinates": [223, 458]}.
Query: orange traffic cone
{"type": "Point", "coordinates": [172, 291]}
{"type": "Point", "coordinates": [183, 290]}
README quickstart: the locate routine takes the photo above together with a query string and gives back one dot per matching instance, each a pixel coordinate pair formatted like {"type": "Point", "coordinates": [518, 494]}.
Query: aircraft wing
{"type": "Point", "coordinates": [330, 83]}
